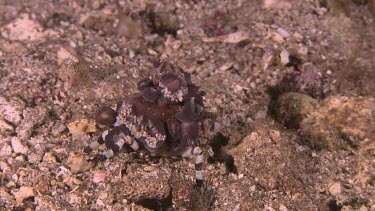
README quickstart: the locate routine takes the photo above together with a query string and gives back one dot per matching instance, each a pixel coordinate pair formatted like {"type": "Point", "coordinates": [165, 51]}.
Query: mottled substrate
{"type": "Point", "coordinates": [333, 123]}
{"type": "Point", "coordinates": [67, 59]}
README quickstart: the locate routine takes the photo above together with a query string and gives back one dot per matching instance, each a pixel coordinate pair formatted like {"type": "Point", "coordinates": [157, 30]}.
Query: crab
{"type": "Point", "coordinates": [167, 117]}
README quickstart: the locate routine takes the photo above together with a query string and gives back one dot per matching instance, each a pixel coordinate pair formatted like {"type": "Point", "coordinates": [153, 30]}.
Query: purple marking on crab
{"type": "Point", "coordinates": [151, 94]}
{"type": "Point", "coordinates": [190, 129]}
{"type": "Point", "coordinates": [170, 80]}
{"type": "Point", "coordinates": [187, 113]}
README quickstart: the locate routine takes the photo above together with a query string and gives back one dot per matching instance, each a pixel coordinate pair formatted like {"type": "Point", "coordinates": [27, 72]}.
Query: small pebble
{"type": "Point", "coordinates": [23, 193]}
{"type": "Point", "coordinates": [18, 147]}
{"type": "Point", "coordinates": [277, 38]}
{"type": "Point", "coordinates": [335, 189]}
{"type": "Point", "coordinates": [32, 118]}
{"type": "Point", "coordinates": [11, 111]}
{"type": "Point", "coordinates": [49, 158]}
{"type": "Point", "coordinates": [284, 57]}
{"type": "Point", "coordinates": [6, 151]}
{"type": "Point", "coordinates": [298, 37]}
{"type": "Point", "coordinates": [23, 29]}
{"type": "Point", "coordinates": [5, 126]}
{"type": "Point", "coordinates": [64, 54]}
{"type": "Point", "coordinates": [98, 177]}
{"type": "Point", "coordinates": [82, 126]}
{"type": "Point", "coordinates": [74, 199]}
{"type": "Point", "coordinates": [34, 158]}
{"type": "Point", "coordinates": [72, 182]}
{"type": "Point", "coordinates": [4, 166]}
{"type": "Point", "coordinates": [5, 196]}
{"type": "Point", "coordinates": [283, 32]}
{"type": "Point", "coordinates": [58, 128]}
{"type": "Point", "coordinates": [303, 51]}
{"type": "Point", "coordinates": [78, 164]}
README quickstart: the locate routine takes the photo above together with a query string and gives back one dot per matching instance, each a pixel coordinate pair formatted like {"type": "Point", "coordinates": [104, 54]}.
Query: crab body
{"type": "Point", "coordinates": [166, 117]}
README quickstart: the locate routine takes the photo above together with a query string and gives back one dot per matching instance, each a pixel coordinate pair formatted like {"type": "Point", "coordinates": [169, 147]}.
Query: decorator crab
{"type": "Point", "coordinates": [166, 117]}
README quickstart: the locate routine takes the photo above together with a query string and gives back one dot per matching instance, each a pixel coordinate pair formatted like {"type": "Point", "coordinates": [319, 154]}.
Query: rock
{"type": "Point", "coordinates": [323, 125]}
{"type": "Point", "coordinates": [284, 57]}
{"type": "Point", "coordinates": [283, 32]}
{"type": "Point", "coordinates": [18, 147]}
{"type": "Point", "coordinates": [11, 110]}
{"type": "Point", "coordinates": [74, 199]}
{"type": "Point", "coordinates": [23, 29]}
{"type": "Point", "coordinates": [6, 150]}
{"type": "Point", "coordinates": [303, 51]}
{"type": "Point", "coordinates": [277, 4]}
{"type": "Point", "coordinates": [82, 126]}
{"type": "Point", "coordinates": [5, 197]}
{"type": "Point", "coordinates": [277, 37]}
{"type": "Point", "coordinates": [319, 135]}
{"type": "Point", "coordinates": [45, 202]}
{"type": "Point", "coordinates": [23, 193]}
{"type": "Point", "coordinates": [5, 126]}
{"type": "Point", "coordinates": [252, 157]}
{"type": "Point", "coordinates": [72, 182]}
{"type": "Point", "coordinates": [147, 182]}
{"type": "Point", "coordinates": [49, 158]}
{"type": "Point", "coordinates": [34, 158]}
{"type": "Point", "coordinates": [66, 53]}
{"type": "Point", "coordinates": [353, 116]}
{"type": "Point", "coordinates": [309, 80]}
{"type": "Point", "coordinates": [32, 118]}
{"type": "Point", "coordinates": [78, 164]}
{"type": "Point", "coordinates": [98, 177]}
{"type": "Point", "coordinates": [293, 107]}
{"type": "Point", "coordinates": [335, 189]}
{"type": "Point", "coordinates": [4, 167]}
{"type": "Point", "coordinates": [37, 156]}
{"type": "Point", "coordinates": [298, 37]}
{"type": "Point", "coordinates": [58, 128]}
{"type": "Point", "coordinates": [229, 38]}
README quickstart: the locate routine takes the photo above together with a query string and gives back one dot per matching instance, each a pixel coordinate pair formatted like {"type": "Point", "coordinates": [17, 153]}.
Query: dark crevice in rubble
{"type": "Point", "coordinates": [156, 204]}
{"type": "Point", "coordinates": [161, 23]}
{"type": "Point", "coordinates": [220, 155]}
{"type": "Point", "coordinates": [333, 206]}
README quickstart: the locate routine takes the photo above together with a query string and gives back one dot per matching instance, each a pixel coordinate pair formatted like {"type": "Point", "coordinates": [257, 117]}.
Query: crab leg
{"type": "Point", "coordinates": [96, 143]}
{"type": "Point", "coordinates": [199, 158]}
{"type": "Point", "coordinates": [114, 140]}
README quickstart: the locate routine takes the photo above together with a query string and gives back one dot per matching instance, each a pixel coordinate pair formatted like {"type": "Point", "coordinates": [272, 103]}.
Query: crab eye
{"type": "Point", "coordinates": [105, 116]}
{"type": "Point", "coordinates": [170, 80]}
